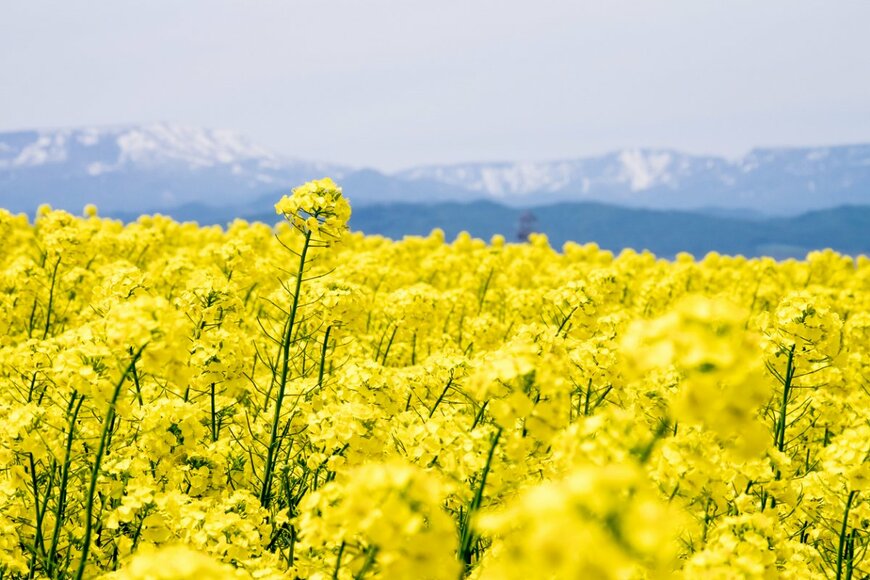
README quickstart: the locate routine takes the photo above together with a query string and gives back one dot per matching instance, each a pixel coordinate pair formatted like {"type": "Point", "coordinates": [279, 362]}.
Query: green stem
{"type": "Point", "coordinates": [64, 481]}
{"type": "Point", "coordinates": [92, 489]}
{"type": "Point", "coordinates": [389, 344]}
{"type": "Point", "coordinates": [468, 537]}
{"type": "Point", "coordinates": [32, 319]}
{"type": "Point", "coordinates": [850, 560]}
{"type": "Point", "coordinates": [588, 396]}
{"type": "Point", "coordinates": [136, 384]}
{"type": "Point", "coordinates": [645, 452]}
{"type": "Point", "coordinates": [371, 553]}
{"type": "Point", "coordinates": [786, 394]}
{"type": "Point", "coordinates": [271, 452]}
{"type": "Point", "coordinates": [38, 540]}
{"type": "Point", "coordinates": [32, 388]}
{"type": "Point", "coordinates": [479, 417]}
{"type": "Point", "coordinates": [214, 434]}
{"type": "Point", "coordinates": [51, 298]}
{"type": "Point", "coordinates": [565, 320]}
{"type": "Point", "coordinates": [441, 396]}
{"type": "Point", "coordinates": [323, 356]}
{"type": "Point", "coordinates": [484, 289]}
{"type": "Point", "coordinates": [843, 528]}
{"type": "Point", "coordinates": [338, 561]}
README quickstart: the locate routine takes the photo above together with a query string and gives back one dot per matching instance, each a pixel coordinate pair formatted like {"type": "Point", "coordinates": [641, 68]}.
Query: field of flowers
{"type": "Point", "coordinates": [305, 402]}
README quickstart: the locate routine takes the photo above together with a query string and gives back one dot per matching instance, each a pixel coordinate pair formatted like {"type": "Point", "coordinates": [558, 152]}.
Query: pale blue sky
{"type": "Point", "coordinates": [394, 83]}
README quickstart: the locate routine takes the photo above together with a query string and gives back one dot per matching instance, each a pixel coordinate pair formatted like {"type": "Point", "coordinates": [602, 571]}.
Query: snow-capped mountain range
{"type": "Point", "coordinates": [141, 168]}
{"type": "Point", "coordinates": [161, 166]}
{"type": "Point", "coordinates": [776, 181]}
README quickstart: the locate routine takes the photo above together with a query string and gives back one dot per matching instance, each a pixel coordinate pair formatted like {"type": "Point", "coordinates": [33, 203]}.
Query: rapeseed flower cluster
{"type": "Point", "coordinates": [301, 401]}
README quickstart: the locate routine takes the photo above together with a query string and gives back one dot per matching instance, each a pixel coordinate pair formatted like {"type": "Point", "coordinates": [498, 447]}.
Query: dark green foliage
{"type": "Point", "coordinates": [845, 229]}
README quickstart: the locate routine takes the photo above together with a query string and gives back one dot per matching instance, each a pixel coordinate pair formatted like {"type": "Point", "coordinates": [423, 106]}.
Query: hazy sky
{"type": "Point", "coordinates": [394, 83]}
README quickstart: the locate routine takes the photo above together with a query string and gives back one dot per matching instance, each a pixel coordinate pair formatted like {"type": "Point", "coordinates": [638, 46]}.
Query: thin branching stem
{"type": "Point", "coordinates": [271, 451]}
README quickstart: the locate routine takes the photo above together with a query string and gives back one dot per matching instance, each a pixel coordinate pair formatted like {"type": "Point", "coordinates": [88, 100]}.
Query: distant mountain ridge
{"type": "Point", "coordinates": [142, 168]}
{"type": "Point", "coordinates": [663, 232]}
{"type": "Point", "coordinates": [777, 181]}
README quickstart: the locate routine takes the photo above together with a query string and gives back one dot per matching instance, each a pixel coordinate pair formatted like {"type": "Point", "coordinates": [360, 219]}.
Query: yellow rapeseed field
{"type": "Point", "coordinates": [180, 401]}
